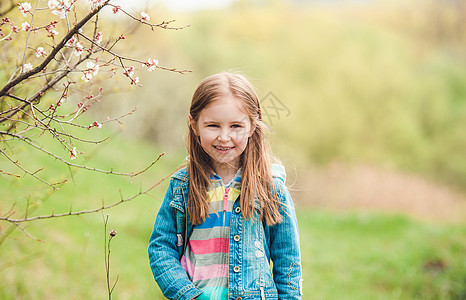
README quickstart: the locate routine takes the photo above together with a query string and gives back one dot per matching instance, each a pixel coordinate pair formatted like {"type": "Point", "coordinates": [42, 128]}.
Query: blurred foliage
{"type": "Point", "coordinates": [379, 82]}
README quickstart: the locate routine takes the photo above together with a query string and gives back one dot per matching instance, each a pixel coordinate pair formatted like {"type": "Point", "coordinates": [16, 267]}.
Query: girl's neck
{"type": "Point", "coordinates": [226, 171]}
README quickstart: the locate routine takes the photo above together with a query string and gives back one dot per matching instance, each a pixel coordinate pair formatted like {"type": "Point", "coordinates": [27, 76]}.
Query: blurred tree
{"type": "Point", "coordinates": [52, 61]}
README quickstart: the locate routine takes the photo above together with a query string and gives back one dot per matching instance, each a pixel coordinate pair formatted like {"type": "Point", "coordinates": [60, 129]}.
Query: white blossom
{"type": "Point", "coordinates": [25, 26]}
{"type": "Point", "coordinates": [24, 8]}
{"type": "Point", "coordinates": [78, 49]}
{"type": "Point", "coordinates": [151, 64]}
{"type": "Point", "coordinates": [74, 154]}
{"type": "Point", "coordinates": [53, 4]}
{"type": "Point", "coordinates": [145, 16]}
{"type": "Point", "coordinates": [40, 52]}
{"type": "Point", "coordinates": [27, 67]}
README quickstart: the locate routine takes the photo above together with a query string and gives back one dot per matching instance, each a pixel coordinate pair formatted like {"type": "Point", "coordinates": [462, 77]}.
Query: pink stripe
{"type": "Point", "coordinates": [211, 271]}
{"type": "Point", "coordinates": [209, 246]}
{"type": "Point", "coordinates": [187, 266]}
{"type": "Point", "coordinates": [225, 199]}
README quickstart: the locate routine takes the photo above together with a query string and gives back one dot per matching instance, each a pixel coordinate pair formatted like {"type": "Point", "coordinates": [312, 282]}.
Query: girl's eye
{"type": "Point", "coordinates": [236, 126]}
{"type": "Point", "coordinates": [212, 125]}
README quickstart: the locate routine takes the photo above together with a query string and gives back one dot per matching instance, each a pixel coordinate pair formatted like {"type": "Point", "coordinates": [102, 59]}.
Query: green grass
{"type": "Point", "coordinates": [345, 255]}
{"type": "Point", "coordinates": [371, 256]}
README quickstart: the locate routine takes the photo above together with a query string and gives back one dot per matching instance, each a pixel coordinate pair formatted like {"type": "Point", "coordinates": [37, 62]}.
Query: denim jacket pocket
{"type": "Point", "coordinates": [178, 205]}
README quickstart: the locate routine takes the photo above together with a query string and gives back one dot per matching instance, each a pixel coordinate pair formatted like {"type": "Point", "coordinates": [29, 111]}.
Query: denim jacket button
{"type": "Point", "coordinates": [236, 238]}
{"type": "Point", "coordinates": [237, 209]}
{"type": "Point", "coordinates": [239, 298]}
{"type": "Point", "coordinates": [236, 269]}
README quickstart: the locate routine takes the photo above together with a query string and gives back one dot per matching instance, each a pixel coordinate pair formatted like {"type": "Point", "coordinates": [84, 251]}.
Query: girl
{"type": "Point", "coordinates": [228, 214]}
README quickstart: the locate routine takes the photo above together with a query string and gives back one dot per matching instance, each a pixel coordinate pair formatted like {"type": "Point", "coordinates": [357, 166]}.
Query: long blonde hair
{"type": "Point", "coordinates": [257, 182]}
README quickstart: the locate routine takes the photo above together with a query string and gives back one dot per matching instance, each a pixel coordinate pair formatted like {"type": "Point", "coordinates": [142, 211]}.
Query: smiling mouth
{"type": "Point", "coordinates": [223, 148]}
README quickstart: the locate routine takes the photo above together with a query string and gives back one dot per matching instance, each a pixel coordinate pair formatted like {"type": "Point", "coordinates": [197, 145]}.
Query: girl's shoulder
{"type": "Point", "coordinates": [278, 172]}
{"type": "Point", "coordinates": [182, 174]}
{"type": "Point", "coordinates": [279, 178]}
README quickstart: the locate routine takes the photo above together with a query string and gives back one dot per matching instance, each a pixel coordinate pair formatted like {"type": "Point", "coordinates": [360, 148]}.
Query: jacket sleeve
{"type": "Point", "coordinates": [284, 248]}
{"type": "Point", "coordinates": [164, 253]}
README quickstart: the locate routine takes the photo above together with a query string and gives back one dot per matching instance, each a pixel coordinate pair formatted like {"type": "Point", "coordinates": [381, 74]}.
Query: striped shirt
{"type": "Point", "coordinates": [206, 256]}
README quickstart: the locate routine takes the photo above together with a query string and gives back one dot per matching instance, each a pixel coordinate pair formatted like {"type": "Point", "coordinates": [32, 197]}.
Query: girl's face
{"type": "Point", "coordinates": [224, 129]}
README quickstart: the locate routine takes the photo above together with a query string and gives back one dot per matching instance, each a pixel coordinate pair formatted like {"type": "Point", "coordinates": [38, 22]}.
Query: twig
{"type": "Point", "coordinates": [27, 233]}
{"type": "Point", "coordinates": [131, 59]}
{"type": "Point", "coordinates": [27, 38]}
{"type": "Point", "coordinates": [33, 174]}
{"type": "Point", "coordinates": [132, 174]}
{"type": "Point", "coordinates": [163, 25]}
{"type": "Point", "coordinates": [112, 234]}
{"type": "Point", "coordinates": [90, 211]}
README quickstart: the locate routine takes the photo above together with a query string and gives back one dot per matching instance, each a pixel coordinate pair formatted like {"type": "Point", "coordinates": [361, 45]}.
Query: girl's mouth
{"type": "Point", "coordinates": [224, 149]}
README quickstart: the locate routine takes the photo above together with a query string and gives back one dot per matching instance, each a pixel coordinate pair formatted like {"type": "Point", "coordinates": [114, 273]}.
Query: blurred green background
{"type": "Point", "coordinates": [366, 101]}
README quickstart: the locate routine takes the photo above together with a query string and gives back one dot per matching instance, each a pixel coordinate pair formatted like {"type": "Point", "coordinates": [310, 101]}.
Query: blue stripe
{"type": "Point", "coordinates": [214, 221]}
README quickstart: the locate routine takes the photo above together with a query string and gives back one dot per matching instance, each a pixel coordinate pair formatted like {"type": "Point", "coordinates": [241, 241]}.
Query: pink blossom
{"type": "Point", "coordinates": [60, 8]}
{"type": "Point", "coordinates": [95, 124]}
{"type": "Point", "coordinates": [59, 12]}
{"type": "Point", "coordinates": [25, 26]}
{"type": "Point", "coordinates": [151, 64]}
{"type": "Point", "coordinates": [50, 28]}
{"type": "Point", "coordinates": [71, 42]}
{"type": "Point", "coordinates": [145, 17]}
{"type": "Point", "coordinates": [98, 37]}
{"type": "Point", "coordinates": [92, 70]}
{"type": "Point", "coordinates": [78, 49]}
{"type": "Point", "coordinates": [95, 3]}
{"type": "Point", "coordinates": [135, 81]}
{"type": "Point", "coordinates": [74, 153]}
{"type": "Point", "coordinates": [15, 29]}
{"type": "Point", "coordinates": [129, 72]}
{"type": "Point", "coordinates": [115, 9]}
{"type": "Point", "coordinates": [24, 8]}
{"type": "Point", "coordinates": [40, 52]}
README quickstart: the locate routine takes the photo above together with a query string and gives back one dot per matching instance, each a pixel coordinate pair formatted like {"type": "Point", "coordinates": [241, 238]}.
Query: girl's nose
{"type": "Point", "coordinates": [224, 136]}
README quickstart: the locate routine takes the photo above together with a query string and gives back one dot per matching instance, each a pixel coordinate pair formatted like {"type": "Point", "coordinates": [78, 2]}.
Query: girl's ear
{"type": "Point", "coordinates": [253, 128]}
{"type": "Point", "coordinates": [192, 123]}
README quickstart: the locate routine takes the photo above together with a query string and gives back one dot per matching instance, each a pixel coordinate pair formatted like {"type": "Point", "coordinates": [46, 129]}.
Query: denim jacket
{"type": "Point", "coordinates": [253, 245]}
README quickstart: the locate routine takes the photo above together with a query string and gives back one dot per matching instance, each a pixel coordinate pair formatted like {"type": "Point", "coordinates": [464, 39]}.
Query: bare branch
{"type": "Point", "coordinates": [90, 211]}
{"type": "Point", "coordinates": [9, 174]}
{"type": "Point", "coordinates": [163, 25]}
{"type": "Point", "coordinates": [131, 59]}
{"type": "Point", "coordinates": [33, 174]}
{"type": "Point", "coordinates": [27, 233]}
{"type": "Point", "coordinates": [132, 174]}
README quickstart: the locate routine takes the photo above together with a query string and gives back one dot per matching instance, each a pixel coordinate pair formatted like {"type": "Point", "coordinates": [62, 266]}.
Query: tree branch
{"type": "Point", "coordinates": [90, 211]}
{"type": "Point", "coordinates": [52, 54]}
